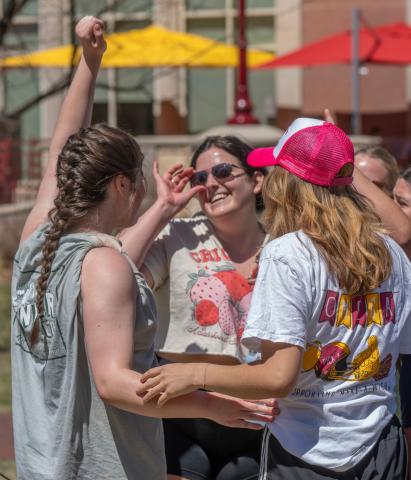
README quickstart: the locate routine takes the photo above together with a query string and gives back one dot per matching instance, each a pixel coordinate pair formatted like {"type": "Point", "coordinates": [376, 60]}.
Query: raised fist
{"type": "Point", "coordinates": [89, 31]}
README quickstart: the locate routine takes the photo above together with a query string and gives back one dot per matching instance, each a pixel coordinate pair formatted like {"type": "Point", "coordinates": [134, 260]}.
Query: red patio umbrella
{"type": "Point", "coordinates": [389, 44]}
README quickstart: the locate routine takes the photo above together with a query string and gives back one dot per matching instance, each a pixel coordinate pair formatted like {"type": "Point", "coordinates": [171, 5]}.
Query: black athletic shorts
{"type": "Point", "coordinates": [200, 449]}
{"type": "Point", "coordinates": [388, 460]}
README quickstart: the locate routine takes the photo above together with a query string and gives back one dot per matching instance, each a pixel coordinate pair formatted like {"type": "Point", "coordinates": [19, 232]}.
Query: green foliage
{"type": "Point", "coordinates": [4, 317]}
{"type": "Point", "coordinates": [5, 382]}
{"type": "Point", "coordinates": [8, 469]}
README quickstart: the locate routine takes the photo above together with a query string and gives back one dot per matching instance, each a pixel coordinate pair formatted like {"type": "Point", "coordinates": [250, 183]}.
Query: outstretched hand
{"type": "Point", "coordinates": [239, 413]}
{"type": "Point", "coordinates": [172, 380]}
{"type": "Point", "coordinates": [171, 187]}
{"type": "Point", "coordinates": [89, 31]}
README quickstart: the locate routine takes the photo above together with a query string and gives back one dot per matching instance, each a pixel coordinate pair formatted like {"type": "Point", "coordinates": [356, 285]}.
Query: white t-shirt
{"type": "Point", "coordinates": [202, 299]}
{"type": "Point", "coordinates": [345, 394]}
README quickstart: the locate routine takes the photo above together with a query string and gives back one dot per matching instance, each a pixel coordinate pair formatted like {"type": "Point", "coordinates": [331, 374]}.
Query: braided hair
{"type": "Point", "coordinates": [88, 161]}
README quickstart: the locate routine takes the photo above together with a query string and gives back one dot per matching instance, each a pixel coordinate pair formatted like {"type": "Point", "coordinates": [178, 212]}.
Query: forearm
{"type": "Point", "coordinates": [244, 381]}
{"type": "Point", "coordinates": [391, 215]}
{"type": "Point", "coordinates": [120, 391]}
{"type": "Point", "coordinates": [76, 109]}
{"type": "Point", "coordinates": [137, 239]}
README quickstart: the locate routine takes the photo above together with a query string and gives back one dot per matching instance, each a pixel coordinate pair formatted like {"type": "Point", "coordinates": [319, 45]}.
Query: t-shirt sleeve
{"type": "Point", "coordinates": [156, 259]}
{"type": "Point", "coordinates": [281, 304]}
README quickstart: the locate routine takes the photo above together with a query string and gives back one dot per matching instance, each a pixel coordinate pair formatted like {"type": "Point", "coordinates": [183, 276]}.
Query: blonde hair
{"type": "Point", "coordinates": [340, 223]}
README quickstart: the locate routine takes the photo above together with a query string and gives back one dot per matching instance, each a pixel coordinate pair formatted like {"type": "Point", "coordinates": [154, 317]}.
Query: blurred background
{"type": "Point", "coordinates": [170, 109]}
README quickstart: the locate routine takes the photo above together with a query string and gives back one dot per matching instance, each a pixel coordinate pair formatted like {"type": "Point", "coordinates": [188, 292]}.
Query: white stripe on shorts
{"type": "Point", "coordinates": [264, 454]}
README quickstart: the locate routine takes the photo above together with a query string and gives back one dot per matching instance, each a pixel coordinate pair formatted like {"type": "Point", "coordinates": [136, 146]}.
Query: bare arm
{"type": "Point", "coordinates": [393, 218]}
{"type": "Point", "coordinates": [75, 113]}
{"type": "Point", "coordinates": [171, 198]}
{"type": "Point", "coordinates": [275, 376]}
{"type": "Point", "coordinates": [108, 313]}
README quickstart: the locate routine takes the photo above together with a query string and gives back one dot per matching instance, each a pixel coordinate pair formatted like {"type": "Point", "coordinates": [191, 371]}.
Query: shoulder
{"type": "Point", "coordinates": [106, 269]}
{"type": "Point", "coordinates": [292, 248]}
{"type": "Point", "coordinates": [37, 236]}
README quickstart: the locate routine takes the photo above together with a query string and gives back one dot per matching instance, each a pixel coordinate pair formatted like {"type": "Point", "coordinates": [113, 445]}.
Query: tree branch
{"type": "Point", "coordinates": [12, 9]}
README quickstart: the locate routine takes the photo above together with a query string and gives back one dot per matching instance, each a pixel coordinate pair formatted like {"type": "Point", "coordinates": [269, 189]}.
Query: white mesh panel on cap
{"type": "Point", "coordinates": [296, 126]}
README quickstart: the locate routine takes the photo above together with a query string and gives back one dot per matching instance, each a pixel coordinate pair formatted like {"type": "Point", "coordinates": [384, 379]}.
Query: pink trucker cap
{"type": "Point", "coordinates": [311, 149]}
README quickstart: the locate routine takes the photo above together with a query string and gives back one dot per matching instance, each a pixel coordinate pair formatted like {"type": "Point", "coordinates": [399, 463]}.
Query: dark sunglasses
{"type": "Point", "coordinates": [221, 172]}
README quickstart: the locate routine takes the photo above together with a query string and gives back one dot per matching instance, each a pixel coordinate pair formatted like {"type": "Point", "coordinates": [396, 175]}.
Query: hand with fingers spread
{"type": "Point", "coordinates": [89, 31]}
{"type": "Point", "coordinates": [171, 187]}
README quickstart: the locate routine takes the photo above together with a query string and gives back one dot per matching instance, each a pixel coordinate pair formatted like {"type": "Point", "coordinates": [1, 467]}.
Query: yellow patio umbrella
{"type": "Point", "coordinates": [152, 46]}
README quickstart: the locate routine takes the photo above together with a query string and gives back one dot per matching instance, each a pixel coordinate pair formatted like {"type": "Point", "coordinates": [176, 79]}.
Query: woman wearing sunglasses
{"type": "Point", "coordinates": [330, 314]}
{"type": "Point", "coordinates": [202, 270]}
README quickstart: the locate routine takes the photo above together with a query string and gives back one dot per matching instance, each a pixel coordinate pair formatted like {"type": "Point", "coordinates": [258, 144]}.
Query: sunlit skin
{"type": "Point", "coordinates": [235, 195]}
{"type": "Point", "coordinates": [373, 169]}
{"type": "Point", "coordinates": [402, 196]}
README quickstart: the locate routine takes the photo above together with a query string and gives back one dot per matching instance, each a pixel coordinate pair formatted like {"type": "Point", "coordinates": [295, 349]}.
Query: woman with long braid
{"type": "Point", "coordinates": [83, 318]}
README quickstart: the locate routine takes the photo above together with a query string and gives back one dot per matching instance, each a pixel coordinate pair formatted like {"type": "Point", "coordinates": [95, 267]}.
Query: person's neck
{"type": "Point", "coordinates": [240, 239]}
{"type": "Point", "coordinates": [93, 222]}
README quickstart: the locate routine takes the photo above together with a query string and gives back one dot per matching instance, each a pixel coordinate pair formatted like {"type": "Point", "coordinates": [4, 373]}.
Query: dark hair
{"type": "Point", "coordinates": [406, 175]}
{"type": "Point", "coordinates": [235, 147]}
{"type": "Point", "coordinates": [88, 161]}
{"type": "Point", "coordinates": [387, 159]}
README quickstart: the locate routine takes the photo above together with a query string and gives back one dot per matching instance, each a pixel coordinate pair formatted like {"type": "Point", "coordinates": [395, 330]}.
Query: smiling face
{"type": "Point", "coordinates": [402, 196]}
{"type": "Point", "coordinates": [222, 198]}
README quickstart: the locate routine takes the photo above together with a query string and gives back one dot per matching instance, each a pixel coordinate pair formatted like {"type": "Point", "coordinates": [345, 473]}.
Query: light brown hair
{"type": "Point", "coordinates": [86, 165]}
{"type": "Point", "coordinates": [338, 220]}
{"type": "Point", "coordinates": [388, 161]}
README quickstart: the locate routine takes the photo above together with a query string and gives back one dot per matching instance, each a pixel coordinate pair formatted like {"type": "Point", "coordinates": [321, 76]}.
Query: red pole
{"type": "Point", "coordinates": [242, 107]}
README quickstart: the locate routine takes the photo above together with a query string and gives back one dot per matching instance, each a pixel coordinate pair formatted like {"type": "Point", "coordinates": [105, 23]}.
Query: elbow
{"type": "Point", "coordinates": [104, 390]}
{"type": "Point", "coordinates": [402, 234]}
{"type": "Point", "coordinates": [403, 238]}
{"type": "Point", "coordinates": [282, 385]}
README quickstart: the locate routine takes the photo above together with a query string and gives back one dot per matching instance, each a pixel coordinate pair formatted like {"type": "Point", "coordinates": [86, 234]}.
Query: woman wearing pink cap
{"type": "Point", "coordinates": [330, 314]}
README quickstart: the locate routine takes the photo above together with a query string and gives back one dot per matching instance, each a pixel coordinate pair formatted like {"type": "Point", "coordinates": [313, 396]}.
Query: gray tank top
{"type": "Point", "coordinates": [62, 429]}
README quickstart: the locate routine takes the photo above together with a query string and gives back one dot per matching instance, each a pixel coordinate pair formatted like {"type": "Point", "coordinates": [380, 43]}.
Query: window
{"type": "Point", "coordinates": [135, 118]}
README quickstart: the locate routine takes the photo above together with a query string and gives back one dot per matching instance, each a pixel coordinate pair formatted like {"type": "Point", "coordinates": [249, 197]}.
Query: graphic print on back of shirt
{"type": "Point", "coordinates": [50, 345]}
{"type": "Point", "coordinates": [220, 297]}
{"type": "Point", "coordinates": [331, 361]}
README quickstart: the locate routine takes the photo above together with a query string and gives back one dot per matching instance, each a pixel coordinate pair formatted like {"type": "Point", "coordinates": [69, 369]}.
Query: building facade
{"type": "Point", "coordinates": [385, 91]}
{"type": "Point", "coordinates": [186, 101]}
{"type": "Point", "coordinates": [145, 101]}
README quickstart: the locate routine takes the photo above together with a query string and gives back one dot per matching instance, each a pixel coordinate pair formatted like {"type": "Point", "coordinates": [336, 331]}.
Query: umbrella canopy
{"type": "Point", "coordinates": [152, 46]}
{"type": "Point", "coordinates": [388, 44]}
